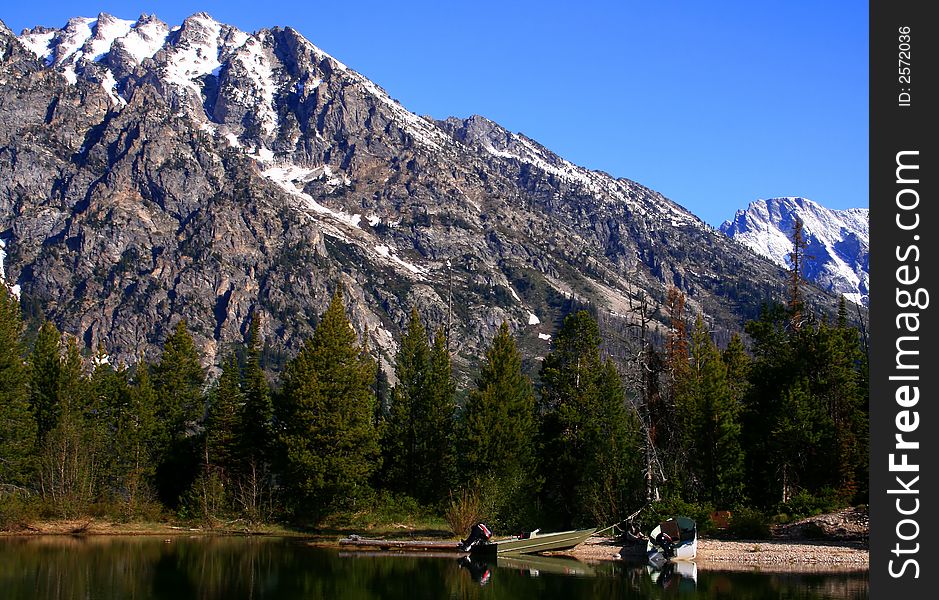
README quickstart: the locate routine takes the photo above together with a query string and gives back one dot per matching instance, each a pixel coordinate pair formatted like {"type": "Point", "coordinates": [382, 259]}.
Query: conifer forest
{"type": "Point", "coordinates": [775, 421]}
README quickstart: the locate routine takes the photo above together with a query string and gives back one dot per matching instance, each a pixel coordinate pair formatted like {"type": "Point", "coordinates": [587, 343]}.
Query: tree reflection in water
{"type": "Point", "coordinates": [210, 568]}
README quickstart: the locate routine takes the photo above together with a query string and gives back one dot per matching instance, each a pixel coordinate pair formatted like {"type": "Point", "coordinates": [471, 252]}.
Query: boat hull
{"type": "Point", "coordinates": [548, 542]}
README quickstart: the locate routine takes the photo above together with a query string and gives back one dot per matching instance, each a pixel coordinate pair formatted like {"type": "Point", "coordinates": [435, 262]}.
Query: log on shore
{"type": "Point", "coordinates": [408, 545]}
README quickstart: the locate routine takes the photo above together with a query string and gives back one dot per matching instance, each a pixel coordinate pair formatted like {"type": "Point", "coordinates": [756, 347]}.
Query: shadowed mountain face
{"type": "Point", "coordinates": [150, 173]}
{"type": "Point", "coordinates": [838, 241]}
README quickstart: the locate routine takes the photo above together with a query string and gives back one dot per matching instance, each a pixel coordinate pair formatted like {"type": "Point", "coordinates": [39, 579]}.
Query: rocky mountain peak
{"type": "Point", "coordinates": [838, 241]}
{"type": "Point", "coordinates": [150, 173]}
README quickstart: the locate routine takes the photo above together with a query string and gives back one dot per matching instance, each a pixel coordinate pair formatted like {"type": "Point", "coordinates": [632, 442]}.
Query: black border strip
{"type": "Point", "coordinates": [903, 265]}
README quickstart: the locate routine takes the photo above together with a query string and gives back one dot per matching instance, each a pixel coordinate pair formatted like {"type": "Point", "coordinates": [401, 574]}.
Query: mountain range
{"type": "Point", "coordinates": [151, 173]}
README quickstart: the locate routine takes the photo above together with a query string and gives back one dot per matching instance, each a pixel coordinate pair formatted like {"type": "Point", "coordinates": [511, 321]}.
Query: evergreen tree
{"type": "Point", "coordinates": [256, 432]}
{"type": "Point", "coordinates": [717, 454]}
{"type": "Point", "coordinates": [70, 458]}
{"type": "Point", "coordinates": [401, 432]}
{"type": "Point", "coordinates": [139, 433]}
{"type": "Point", "coordinates": [178, 379]}
{"type": "Point", "coordinates": [222, 424]}
{"type": "Point", "coordinates": [572, 387]}
{"type": "Point", "coordinates": [498, 420]}
{"type": "Point", "coordinates": [73, 383]}
{"type": "Point", "coordinates": [18, 430]}
{"type": "Point", "coordinates": [613, 470]}
{"type": "Point", "coordinates": [436, 406]}
{"type": "Point", "coordinates": [804, 412]}
{"type": "Point", "coordinates": [110, 404]}
{"type": "Point", "coordinates": [771, 372]}
{"type": "Point", "coordinates": [797, 258]}
{"type": "Point", "coordinates": [793, 437]}
{"type": "Point", "coordinates": [44, 364]}
{"type": "Point", "coordinates": [837, 377]}
{"type": "Point", "coordinates": [737, 362]}
{"type": "Point", "coordinates": [255, 483]}
{"type": "Point", "coordinates": [418, 434]}
{"type": "Point", "coordinates": [330, 443]}
{"type": "Point", "coordinates": [497, 435]}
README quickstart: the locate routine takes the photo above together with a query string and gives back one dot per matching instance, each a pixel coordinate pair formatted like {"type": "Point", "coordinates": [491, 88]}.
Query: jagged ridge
{"type": "Point", "coordinates": [838, 241]}
{"type": "Point", "coordinates": [150, 173]}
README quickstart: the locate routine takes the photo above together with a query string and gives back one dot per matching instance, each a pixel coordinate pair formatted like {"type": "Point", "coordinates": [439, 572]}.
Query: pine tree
{"type": "Point", "coordinates": [569, 376]}
{"type": "Point", "coordinates": [178, 380]}
{"type": "Point", "coordinates": [797, 260]}
{"type": "Point", "coordinates": [717, 453]}
{"type": "Point", "coordinates": [18, 430]}
{"type": "Point", "coordinates": [436, 406]}
{"type": "Point", "coordinates": [222, 422]}
{"type": "Point", "coordinates": [400, 433]}
{"type": "Point", "coordinates": [70, 459]}
{"type": "Point", "coordinates": [737, 362]}
{"type": "Point", "coordinates": [255, 483]}
{"type": "Point", "coordinates": [771, 373]}
{"type": "Point", "coordinates": [837, 380]}
{"type": "Point", "coordinates": [73, 384]}
{"type": "Point", "coordinates": [497, 435]}
{"type": "Point", "coordinates": [140, 436]}
{"type": "Point", "coordinates": [330, 443]}
{"type": "Point", "coordinates": [791, 437]}
{"type": "Point", "coordinates": [257, 434]}
{"type": "Point", "coordinates": [110, 405]}
{"type": "Point", "coordinates": [499, 422]}
{"type": "Point", "coordinates": [614, 465]}
{"type": "Point", "coordinates": [794, 436]}
{"type": "Point", "coordinates": [44, 364]}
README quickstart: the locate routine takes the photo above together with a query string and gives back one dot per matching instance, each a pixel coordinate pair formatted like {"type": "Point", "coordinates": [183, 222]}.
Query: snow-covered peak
{"type": "Point", "coordinates": [838, 240]}
{"type": "Point", "coordinates": [144, 38]}
{"type": "Point", "coordinates": [56, 47]}
{"type": "Point", "coordinates": [250, 80]}
{"type": "Point", "coordinates": [85, 39]}
{"type": "Point", "coordinates": [107, 29]}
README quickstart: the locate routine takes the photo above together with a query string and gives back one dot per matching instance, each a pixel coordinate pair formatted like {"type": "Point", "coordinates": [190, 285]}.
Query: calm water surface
{"type": "Point", "coordinates": [107, 568]}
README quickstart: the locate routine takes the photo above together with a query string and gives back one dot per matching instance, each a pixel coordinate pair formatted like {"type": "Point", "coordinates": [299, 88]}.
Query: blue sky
{"type": "Point", "coordinates": [714, 104]}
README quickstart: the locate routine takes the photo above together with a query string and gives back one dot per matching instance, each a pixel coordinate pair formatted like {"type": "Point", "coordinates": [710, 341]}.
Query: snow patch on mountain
{"type": "Point", "coordinates": [14, 289]}
{"type": "Point", "coordinates": [145, 38]}
{"type": "Point", "coordinates": [838, 241]}
{"type": "Point", "coordinates": [107, 29]}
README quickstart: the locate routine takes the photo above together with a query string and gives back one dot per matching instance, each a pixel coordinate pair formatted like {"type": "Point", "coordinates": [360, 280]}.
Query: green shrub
{"type": "Point", "coordinates": [805, 504]}
{"type": "Point", "coordinates": [676, 507]}
{"type": "Point", "coordinates": [17, 509]}
{"type": "Point", "coordinates": [383, 510]}
{"type": "Point", "coordinates": [508, 504]}
{"type": "Point", "coordinates": [747, 523]}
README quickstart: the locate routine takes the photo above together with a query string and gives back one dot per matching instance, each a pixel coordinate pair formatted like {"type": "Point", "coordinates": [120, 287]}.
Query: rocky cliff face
{"type": "Point", "coordinates": [838, 241]}
{"type": "Point", "coordinates": [150, 173]}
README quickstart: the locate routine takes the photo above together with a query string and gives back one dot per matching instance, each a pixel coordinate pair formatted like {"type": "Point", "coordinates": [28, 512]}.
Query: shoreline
{"type": "Point", "coordinates": [93, 527]}
{"type": "Point", "coordinates": [748, 555]}
{"type": "Point", "coordinates": [717, 555]}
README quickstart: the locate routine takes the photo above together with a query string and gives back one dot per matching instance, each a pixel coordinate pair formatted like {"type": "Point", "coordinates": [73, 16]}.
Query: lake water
{"type": "Point", "coordinates": [104, 568]}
